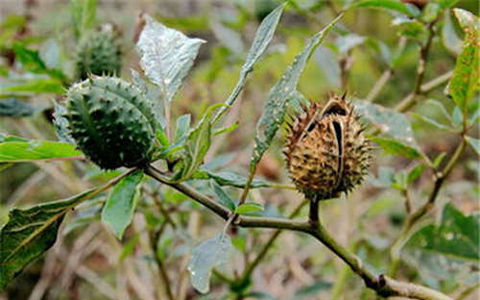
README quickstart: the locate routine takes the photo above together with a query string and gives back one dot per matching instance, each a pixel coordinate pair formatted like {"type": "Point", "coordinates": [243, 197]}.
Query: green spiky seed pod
{"type": "Point", "coordinates": [326, 151]}
{"type": "Point", "coordinates": [98, 53]}
{"type": "Point", "coordinates": [111, 121]}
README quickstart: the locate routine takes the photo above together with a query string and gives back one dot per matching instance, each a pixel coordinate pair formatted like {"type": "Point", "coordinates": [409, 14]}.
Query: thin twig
{"type": "Point", "coordinates": [415, 216]}
{"type": "Point", "coordinates": [383, 285]}
{"type": "Point", "coordinates": [154, 237]}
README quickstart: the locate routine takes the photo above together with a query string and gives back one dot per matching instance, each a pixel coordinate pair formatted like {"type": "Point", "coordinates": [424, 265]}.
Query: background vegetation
{"type": "Point", "coordinates": [415, 218]}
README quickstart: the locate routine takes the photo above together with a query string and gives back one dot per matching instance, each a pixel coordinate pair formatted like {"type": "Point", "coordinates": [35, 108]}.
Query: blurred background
{"type": "Point", "coordinates": [87, 261]}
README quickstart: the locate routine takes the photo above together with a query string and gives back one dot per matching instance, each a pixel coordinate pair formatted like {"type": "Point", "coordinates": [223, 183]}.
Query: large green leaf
{"type": "Point", "coordinates": [447, 251]}
{"type": "Point", "coordinates": [13, 149]}
{"type": "Point", "coordinates": [394, 5]}
{"type": "Point", "coordinates": [263, 36]}
{"type": "Point", "coordinates": [275, 107]}
{"type": "Point", "coordinates": [120, 205]}
{"type": "Point", "coordinates": [28, 87]}
{"type": "Point", "coordinates": [395, 147]}
{"type": "Point", "coordinates": [166, 55]}
{"type": "Point", "coordinates": [397, 132]}
{"type": "Point", "coordinates": [30, 232]}
{"type": "Point", "coordinates": [464, 84]}
{"type": "Point", "coordinates": [205, 257]}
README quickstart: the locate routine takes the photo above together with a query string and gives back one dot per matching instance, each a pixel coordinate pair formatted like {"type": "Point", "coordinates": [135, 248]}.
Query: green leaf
{"type": "Point", "coordinates": [30, 232]}
{"type": "Point", "coordinates": [196, 146]}
{"type": "Point", "coordinates": [166, 56]}
{"type": "Point", "coordinates": [430, 12]}
{"type": "Point", "coordinates": [415, 173]}
{"type": "Point", "coordinates": [389, 122]}
{"type": "Point", "coordinates": [263, 36]}
{"type": "Point", "coordinates": [27, 150]}
{"type": "Point", "coordinates": [278, 96]}
{"type": "Point", "coordinates": [465, 83]}
{"type": "Point", "coordinates": [457, 117]}
{"type": "Point", "coordinates": [27, 87]}
{"type": "Point", "coordinates": [249, 207]}
{"type": "Point", "coordinates": [14, 107]}
{"type": "Point", "coordinates": [32, 62]}
{"type": "Point", "coordinates": [205, 257]}
{"type": "Point", "coordinates": [312, 289]}
{"type": "Point", "coordinates": [395, 147]}
{"type": "Point", "coordinates": [410, 28]}
{"type": "Point", "coordinates": [394, 5]}
{"type": "Point", "coordinates": [235, 179]}
{"type": "Point", "coordinates": [262, 39]}
{"type": "Point", "coordinates": [475, 143]}
{"type": "Point", "coordinates": [224, 198]}
{"type": "Point", "coordinates": [450, 39]}
{"type": "Point", "coordinates": [120, 205]}
{"type": "Point", "coordinates": [445, 251]}
{"type": "Point", "coordinates": [438, 160]}
{"type": "Point", "coordinates": [446, 3]}
{"type": "Point", "coordinates": [84, 14]}
{"type": "Point", "coordinates": [182, 127]}
{"type": "Point", "coordinates": [259, 295]}
{"type": "Point", "coordinates": [431, 121]}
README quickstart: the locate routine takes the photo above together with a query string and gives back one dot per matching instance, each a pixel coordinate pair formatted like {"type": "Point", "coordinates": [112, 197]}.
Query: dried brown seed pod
{"type": "Point", "coordinates": [326, 151]}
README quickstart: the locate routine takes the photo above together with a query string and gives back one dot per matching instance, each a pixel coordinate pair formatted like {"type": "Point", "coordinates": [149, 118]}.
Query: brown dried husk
{"type": "Point", "coordinates": [326, 151]}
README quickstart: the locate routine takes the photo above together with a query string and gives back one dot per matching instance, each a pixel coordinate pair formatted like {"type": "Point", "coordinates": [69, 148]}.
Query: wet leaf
{"type": "Point", "coordinates": [166, 56]}
{"type": "Point", "coordinates": [278, 96]}
{"type": "Point", "coordinates": [205, 257]}
{"type": "Point", "coordinates": [448, 250]}
{"type": "Point", "coordinates": [262, 39]}
{"type": "Point", "coordinates": [224, 198]}
{"type": "Point", "coordinates": [391, 123]}
{"type": "Point", "coordinates": [465, 81]}
{"type": "Point", "coordinates": [120, 205]}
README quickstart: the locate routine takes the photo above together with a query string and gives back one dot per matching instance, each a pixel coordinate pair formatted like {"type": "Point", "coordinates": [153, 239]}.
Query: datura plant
{"type": "Point", "coordinates": [127, 125]}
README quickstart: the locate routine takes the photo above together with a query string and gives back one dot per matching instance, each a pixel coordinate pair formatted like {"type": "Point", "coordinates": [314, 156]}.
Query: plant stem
{"type": "Point", "coordinates": [411, 99]}
{"type": "Point", "coordinates": [415, 216]}
{"type": "Point", "coordinates": [383, 285]}
{"type": "Point", "coordinates": [154, 237]}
